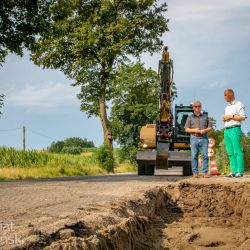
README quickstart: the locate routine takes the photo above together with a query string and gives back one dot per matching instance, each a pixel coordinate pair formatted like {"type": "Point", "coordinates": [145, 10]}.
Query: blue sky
{"type": "Point", "coordinates": [209, 42]}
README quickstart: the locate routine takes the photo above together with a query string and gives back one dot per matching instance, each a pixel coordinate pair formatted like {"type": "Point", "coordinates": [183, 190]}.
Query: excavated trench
{"type": "Point", "coordinates": [183, 215]}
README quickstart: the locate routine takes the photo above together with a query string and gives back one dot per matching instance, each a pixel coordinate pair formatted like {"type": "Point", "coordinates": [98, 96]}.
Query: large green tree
{"type": "Point", "coordinates": [89, 40]}
{"type": "Point", "coordinates": [20, 22]}
{"type": "Point", "coordinates": [136, 105]}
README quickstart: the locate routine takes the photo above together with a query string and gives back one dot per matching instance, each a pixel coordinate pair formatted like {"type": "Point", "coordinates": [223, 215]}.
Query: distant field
{"type": "Point", "coordinates": [17, 164]}
{"type": "Point", "coordinates": [89, 151]}
{"type": "Point", "coordinates": [93, 150]}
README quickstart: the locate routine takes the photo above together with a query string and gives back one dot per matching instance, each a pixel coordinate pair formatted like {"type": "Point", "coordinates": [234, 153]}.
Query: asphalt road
{"type": "Point", "coordinates": [47, 204]}
{"type": "Point", "coordinates": [173, 173]}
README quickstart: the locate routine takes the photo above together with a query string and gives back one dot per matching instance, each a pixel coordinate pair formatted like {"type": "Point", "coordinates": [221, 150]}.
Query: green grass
{"type": "Point", "coordinates": [92, 150]}
{"type": "Point", "coordinates": [10, 157]}
{"type": "Point", "coordinates": [125, 167]}
{"type": "Point", "coordinates": [18, 164]}
{"type": "Point", "coordinates": [47, 172]}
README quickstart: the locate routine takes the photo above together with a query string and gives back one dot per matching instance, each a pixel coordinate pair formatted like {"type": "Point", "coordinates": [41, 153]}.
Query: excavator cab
{"type": "Point", "coordinates": [181, 115]}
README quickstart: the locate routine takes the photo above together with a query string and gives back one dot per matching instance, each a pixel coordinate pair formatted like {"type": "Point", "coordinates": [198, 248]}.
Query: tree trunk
{"type": "Point", "coordinates": [104, 120]}
{"type": "Point", "coordinates": [108, 140]}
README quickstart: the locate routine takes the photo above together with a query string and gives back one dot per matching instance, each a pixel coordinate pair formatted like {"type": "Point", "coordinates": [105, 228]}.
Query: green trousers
{"type": "Point", "coordinates": [232, 138]}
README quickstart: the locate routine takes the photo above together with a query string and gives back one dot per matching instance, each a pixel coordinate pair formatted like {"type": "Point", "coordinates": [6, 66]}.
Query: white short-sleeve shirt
{"type": "Point", "coordinates": [234, 108]}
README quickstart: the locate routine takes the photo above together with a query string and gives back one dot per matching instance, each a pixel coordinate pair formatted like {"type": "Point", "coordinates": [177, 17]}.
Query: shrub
{"type": "Point", "coordinates": [56, 147]}
{"type": "Point", "coordinates": [72, 142]}
{"type": "Point", "coordinates": [105, 159]}
{"type": "Point", "coordinates": [246, 150]}
{"type": "Point", "coordinates": [223, 160]}
{"type": "Point", "coordinates": [78, 142]}
{"type": "Point", "coordinates": [127, 154]}
{"type": "Point", "coordinates": [72, 150]}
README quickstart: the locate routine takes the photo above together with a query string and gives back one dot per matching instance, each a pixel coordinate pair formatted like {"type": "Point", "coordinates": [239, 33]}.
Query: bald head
{"type": "Point", "coordinates": [229, 95]}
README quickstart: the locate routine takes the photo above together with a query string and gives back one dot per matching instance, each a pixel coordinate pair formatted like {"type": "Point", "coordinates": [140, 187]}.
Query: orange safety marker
{"type": "Point", "coordinates": [213, 168]}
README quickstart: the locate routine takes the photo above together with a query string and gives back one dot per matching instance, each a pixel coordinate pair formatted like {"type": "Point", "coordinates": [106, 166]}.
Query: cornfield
{"type": "Point", "coordinates": [10, 157]}
{"type": "Point", "coordinates": [17, 164]}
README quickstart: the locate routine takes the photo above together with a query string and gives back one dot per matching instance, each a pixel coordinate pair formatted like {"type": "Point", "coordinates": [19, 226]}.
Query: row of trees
{"type": "Point", "coordinates": [72, 145]}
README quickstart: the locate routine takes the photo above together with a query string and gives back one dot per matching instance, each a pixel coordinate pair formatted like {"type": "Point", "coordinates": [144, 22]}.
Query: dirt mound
{"type": "Point", "coordinates": [185, 215]}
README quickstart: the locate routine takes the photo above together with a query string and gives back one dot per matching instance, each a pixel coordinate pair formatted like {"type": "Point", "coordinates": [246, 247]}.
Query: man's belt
{"type": "Point", "coordinates": [198, 135]}
{"type": "Point", "coordinates": [234, 126]}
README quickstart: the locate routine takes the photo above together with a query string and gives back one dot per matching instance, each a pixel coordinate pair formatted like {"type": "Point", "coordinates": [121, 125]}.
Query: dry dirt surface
{"type": "Point", "coordinates": [126, 212]}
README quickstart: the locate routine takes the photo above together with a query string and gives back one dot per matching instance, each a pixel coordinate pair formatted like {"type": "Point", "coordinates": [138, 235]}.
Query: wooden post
{"type": "Point", "coordinates": [24, 130]}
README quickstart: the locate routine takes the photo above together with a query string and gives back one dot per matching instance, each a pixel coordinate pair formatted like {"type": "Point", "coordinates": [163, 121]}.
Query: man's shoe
{"type": "Point", "coordinates": [231, 175]}
{"type": "Point", "coordinates": [195, 175]}
{"type": "Point", "coordinates": [238, 175]}
{"type": "Point", "coordinates": [205, 175]}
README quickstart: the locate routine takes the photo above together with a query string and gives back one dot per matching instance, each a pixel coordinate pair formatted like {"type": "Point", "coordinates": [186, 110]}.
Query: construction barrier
{"type": "Point", "coordinates": [213, 168]}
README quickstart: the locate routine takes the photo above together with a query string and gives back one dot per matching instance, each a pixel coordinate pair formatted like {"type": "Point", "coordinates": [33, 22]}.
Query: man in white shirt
{"type": "Point", "coordinates": [234, 115]}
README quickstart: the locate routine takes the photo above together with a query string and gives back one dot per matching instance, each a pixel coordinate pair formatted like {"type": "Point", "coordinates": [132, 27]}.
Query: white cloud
{"type": "Point", "coordinates": [217, 84]}
{"type": "Point", "coordinates": [205, 40]}
{"type": "Point", "coordinates": [45, 96]}
{"type": "Point", "coordinates": [197, 10]}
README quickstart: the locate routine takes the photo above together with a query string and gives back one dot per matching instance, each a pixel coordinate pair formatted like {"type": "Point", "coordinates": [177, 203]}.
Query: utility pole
{"type": "Point", "coordinates": [24, 130]}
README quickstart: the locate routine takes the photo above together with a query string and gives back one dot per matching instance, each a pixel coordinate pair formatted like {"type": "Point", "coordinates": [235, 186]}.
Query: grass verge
{"type": "Point", "coordinates": [16, 164]}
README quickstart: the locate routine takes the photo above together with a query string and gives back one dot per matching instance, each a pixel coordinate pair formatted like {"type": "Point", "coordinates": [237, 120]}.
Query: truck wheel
{"type": "Point", "coordinates": [141, 169]}
{"type": "Point", "coordinates": [149, 170]}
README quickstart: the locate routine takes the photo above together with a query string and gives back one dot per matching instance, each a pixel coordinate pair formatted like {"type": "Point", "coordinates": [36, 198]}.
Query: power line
{"type": "Point", "coordinates": [31, 130]}
{"type": "Point", "coordinates": [11, 129]}
{"type": "Point", "coordinates": [38, 133]}
{"type": "Point", "coordinates": [24, 129]}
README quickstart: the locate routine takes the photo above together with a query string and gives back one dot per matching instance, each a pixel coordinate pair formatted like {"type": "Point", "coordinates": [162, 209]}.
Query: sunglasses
{"type": "Point", "coordinates": [197, 106]}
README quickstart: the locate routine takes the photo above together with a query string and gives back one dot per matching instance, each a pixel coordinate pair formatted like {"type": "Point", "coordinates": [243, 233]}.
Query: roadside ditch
{"type": "Point", "coordinates": [183, 215]}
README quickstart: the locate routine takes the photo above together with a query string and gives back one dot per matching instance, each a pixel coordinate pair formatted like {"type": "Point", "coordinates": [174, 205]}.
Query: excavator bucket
{"type": "Point", "coordinates": [162, 155]}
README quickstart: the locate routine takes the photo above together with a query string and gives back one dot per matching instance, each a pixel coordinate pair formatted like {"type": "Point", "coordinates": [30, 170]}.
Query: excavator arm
{"type": "Point", "coordinates": [165, 119]}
